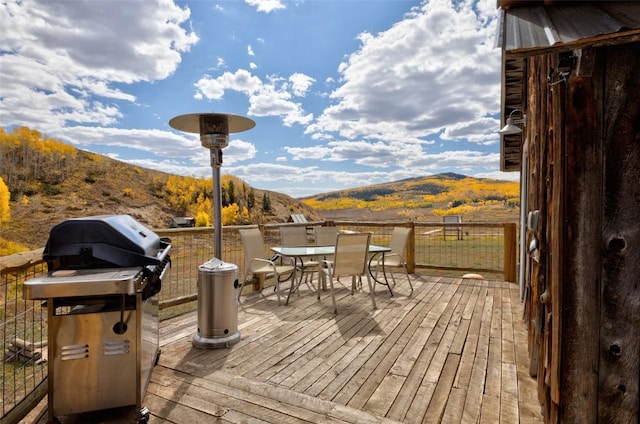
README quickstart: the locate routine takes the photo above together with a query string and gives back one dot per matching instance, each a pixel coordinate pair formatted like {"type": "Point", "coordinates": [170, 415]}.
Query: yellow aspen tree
{"type": "Point", "coordinates": [203, 219]}
{"type": "Point", "coordinates": [5, 213]}
{"type": "Point", "coordinates": [230, 214]}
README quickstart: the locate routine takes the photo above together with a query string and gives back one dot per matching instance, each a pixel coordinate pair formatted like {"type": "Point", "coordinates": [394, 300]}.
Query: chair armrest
{"type": "Point", "coordinates": [264, 261]}
{"type": "Point", "coordinates": [389, 255]}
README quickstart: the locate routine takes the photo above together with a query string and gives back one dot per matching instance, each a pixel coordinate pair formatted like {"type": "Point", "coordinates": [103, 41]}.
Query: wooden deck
{"type": "Point", "coordinates": [452, 351]}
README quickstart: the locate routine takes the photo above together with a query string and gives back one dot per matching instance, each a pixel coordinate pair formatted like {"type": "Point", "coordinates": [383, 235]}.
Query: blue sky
{"type": "Point", "coordinates": [344, 93]}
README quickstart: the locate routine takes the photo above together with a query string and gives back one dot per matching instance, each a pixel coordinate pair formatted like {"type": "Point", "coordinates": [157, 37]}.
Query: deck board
{"type": "Point", "coordinates": [453, 350]}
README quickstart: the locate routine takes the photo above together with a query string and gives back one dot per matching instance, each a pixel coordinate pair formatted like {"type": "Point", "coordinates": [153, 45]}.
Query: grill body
{"type": "Point", "coordinates": [103, 338]}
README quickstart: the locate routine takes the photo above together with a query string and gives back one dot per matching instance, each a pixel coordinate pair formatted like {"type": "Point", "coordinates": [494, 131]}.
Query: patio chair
{"type": "Point", "coordinates": [395, 258]}
{"type": "Point", "coordinates": [325, 236]}
{"type": "Point", "coordinates": [350, 260]}
{"type": "Point", "coordinates": [257, 264]}
{"type": "Point", "coordinates": [294, 237]}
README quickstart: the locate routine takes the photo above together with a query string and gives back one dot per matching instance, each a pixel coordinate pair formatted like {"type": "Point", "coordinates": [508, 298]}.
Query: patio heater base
{"type": "Point", "coordinates": [215, 342]}
{"type": "Point", "coordinates": [217, 305]}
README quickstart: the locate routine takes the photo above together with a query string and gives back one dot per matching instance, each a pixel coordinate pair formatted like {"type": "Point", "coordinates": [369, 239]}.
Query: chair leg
{"type": "Point", "coordinates": [293, 287]}
{"type": "Point", "coordinates": [333, 296]}
{"type": "Point", "coordinates": [276, 277]}
{"type": "Point", "coordinates": [407, 273]}
{"type": "Point", "coordinates": [372, 291]}
{"type": "Point", "coordinates": [242, 286]}
{"type": "Point", "coordinates": [393, 278]}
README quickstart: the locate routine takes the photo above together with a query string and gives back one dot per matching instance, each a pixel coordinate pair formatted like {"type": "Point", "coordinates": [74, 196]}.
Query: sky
{"type": "Point", "coordinates": [344, 93]}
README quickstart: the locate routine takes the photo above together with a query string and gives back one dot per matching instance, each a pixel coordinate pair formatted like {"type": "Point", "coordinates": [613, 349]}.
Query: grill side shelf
{"type": "Point", "coordinates": [85, 282]}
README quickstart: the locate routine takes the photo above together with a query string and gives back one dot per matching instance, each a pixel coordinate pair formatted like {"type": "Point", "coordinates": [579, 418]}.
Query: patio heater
{"type": "Point", "coordinates": [217, 280]}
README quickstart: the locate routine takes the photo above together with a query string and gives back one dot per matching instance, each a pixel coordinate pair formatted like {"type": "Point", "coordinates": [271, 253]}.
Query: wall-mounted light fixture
{"type": "Point", "coordinates": [511, 127]}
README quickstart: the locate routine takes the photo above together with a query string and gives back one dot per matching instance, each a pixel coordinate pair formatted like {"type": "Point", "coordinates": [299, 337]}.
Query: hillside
{"type": "Point", "coordinates": [50, 181]}
{"type": "Point", "coordinates": [424, 199]}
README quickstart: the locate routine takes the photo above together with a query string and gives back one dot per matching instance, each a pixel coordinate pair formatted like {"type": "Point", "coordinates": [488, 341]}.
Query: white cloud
{"type": "Point", "coordinates": [238, 151]}
{"type": "Point", "coordinates": [266, 6]}
{"type": "Point", "coordinates": [436, 70]}
{"type": "Point", "coordinates": [300, 83]}
{"type": "Point", "coordinates": [271, 98]}
{"type": "Point", "coordinates": [73, 53]}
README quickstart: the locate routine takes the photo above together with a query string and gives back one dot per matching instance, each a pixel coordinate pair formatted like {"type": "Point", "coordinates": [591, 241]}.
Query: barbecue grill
{"type": "Point", "coordinates": [104, 275]}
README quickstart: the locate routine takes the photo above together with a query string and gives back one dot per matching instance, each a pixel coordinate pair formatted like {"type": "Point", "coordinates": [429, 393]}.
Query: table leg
{"type": "Point", "coordinates": [384, 272]}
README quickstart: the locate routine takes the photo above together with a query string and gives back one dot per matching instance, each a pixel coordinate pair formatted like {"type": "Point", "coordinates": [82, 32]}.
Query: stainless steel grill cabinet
{"type": "Point", "coordinates": [101, 292]}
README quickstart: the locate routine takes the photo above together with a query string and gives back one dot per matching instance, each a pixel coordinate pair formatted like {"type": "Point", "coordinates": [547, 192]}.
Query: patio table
{"type": "Point", "coordinates": [302, 252]}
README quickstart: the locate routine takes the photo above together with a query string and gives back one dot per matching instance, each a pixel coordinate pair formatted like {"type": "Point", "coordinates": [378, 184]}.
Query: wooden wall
{"type": "Point", "coordinates": [583, 294]}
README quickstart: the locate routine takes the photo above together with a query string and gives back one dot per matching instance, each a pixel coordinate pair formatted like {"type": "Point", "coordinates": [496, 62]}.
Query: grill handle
{"type": "Point", "coordinates": [165, 243]}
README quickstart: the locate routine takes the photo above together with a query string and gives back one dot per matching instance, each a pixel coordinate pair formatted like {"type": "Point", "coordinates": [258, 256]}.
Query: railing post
{"type": "Point", "coordinates": [411, 249]}
{"type": "Point", "coordinates": [510, 252]}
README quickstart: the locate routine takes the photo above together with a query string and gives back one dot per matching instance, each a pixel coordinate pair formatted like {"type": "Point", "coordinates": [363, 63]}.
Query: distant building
{"type": "Point", "coordinates": [297, 218]}
{"type": "Point", "coordinates": [182, 222]}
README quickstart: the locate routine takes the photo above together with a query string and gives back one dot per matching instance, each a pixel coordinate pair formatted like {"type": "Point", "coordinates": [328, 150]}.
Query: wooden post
{"type": "Point", "coordinates": [510, 252]}
{"type": "Point", "coordinates": [410, 254]}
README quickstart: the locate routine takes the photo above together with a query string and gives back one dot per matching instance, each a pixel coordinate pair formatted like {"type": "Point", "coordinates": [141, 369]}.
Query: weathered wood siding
{"type": "Point", "coordinates": [619, 376]}
{"type": "Point", "coordinates": [583, 299]}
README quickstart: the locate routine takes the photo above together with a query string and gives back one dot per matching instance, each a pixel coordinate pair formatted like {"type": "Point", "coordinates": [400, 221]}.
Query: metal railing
{"type": "Point", "coordinates": [432, 247]}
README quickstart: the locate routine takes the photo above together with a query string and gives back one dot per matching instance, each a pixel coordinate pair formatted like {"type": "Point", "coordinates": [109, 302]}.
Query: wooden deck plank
{"type": "Point", "coordinates": [508, 349]}
{"type": "Point", "coordinates": [339, 374]}
{"type": "Point", "coordinates": [438, 402]}
{"type": "Point", "coordinates": [473, 402]}
{"type": "Point", "coordinates": [343, 350]}
{"type": "Point", "coordinates": [442, 350]}
{"type": "Point", "coordinates": [509, 394]}
{"type": "Point", "coordinates": [369, 376]}
{"type": "Point", "coordinates": [455, 406]}
{"type": "Point", "coordinates": [343, 383]}
{"type": "Point", "coordinates": [314, 359]}
{"type": "Point", "coordinates": [235, 397]}
{"type": "Point", "coordinates": [407, 349]}
{"type": "Point", "coordinates": [530, 412]}
{"type": "Point", "coordinates": [417, 390]}
{"type": "Point", "coordinates": [288, 400]}
{"type": "Point", "coordinates": [418, 407]}
{"type": "Point", "coordinates": [451, 351]}
{"type": "Point", "coordinates": [470, 346]}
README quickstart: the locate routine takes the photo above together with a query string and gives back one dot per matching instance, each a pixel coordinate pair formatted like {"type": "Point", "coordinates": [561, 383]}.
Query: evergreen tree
{"type": "Point", "coordinates": [224, 199]}
{"type": "Point", "coordinates": [251, 200]}
{"type": "Point", "coordinates": [231, 193]}
{"type": "Point", "coordinates": [266, 203]}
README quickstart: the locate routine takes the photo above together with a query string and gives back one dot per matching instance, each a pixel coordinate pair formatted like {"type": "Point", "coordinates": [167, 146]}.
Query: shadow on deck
{"type": "Point", "coordinates": [454, 350]}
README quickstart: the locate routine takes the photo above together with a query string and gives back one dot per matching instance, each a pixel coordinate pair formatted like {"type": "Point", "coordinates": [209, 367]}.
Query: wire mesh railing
{"type": "Point", "coordinates": [23, 336]}
{"type": "Point", "coordinates": [432, 247]}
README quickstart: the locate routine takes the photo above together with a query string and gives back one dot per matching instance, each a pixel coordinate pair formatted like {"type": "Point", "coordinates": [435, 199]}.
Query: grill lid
{"type": "Point", "coordinates": [101, 241]}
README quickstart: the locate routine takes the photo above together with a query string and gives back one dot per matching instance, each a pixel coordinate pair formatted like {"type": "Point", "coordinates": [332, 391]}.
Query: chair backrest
{"type": "Point", "coordinates": [253, 244]}
{"type": "Point", "coordinates": [351, 254]}
{"type": "Point", "coordinates": [325, 236]}
{"type": "Point", "coordinates": [399, 238]}
{"type": "Point", "coordinates": [293, 236]}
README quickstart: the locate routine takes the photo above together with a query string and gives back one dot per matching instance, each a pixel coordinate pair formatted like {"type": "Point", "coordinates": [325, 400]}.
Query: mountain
{"type": "Point", "coordinates": [50, 181]}
{"type": "Point", "coordinates": [424, 199]}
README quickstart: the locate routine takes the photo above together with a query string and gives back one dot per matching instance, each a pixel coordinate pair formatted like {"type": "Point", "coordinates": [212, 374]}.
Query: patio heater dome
{"type": "Point", "coordinates": [214, 130]}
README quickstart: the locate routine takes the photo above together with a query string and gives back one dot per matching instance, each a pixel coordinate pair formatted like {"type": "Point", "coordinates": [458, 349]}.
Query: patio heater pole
{"type": "Point", "coordinates": [217, 280]}
{"type": "Point", "coordinates": [214, 129]}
